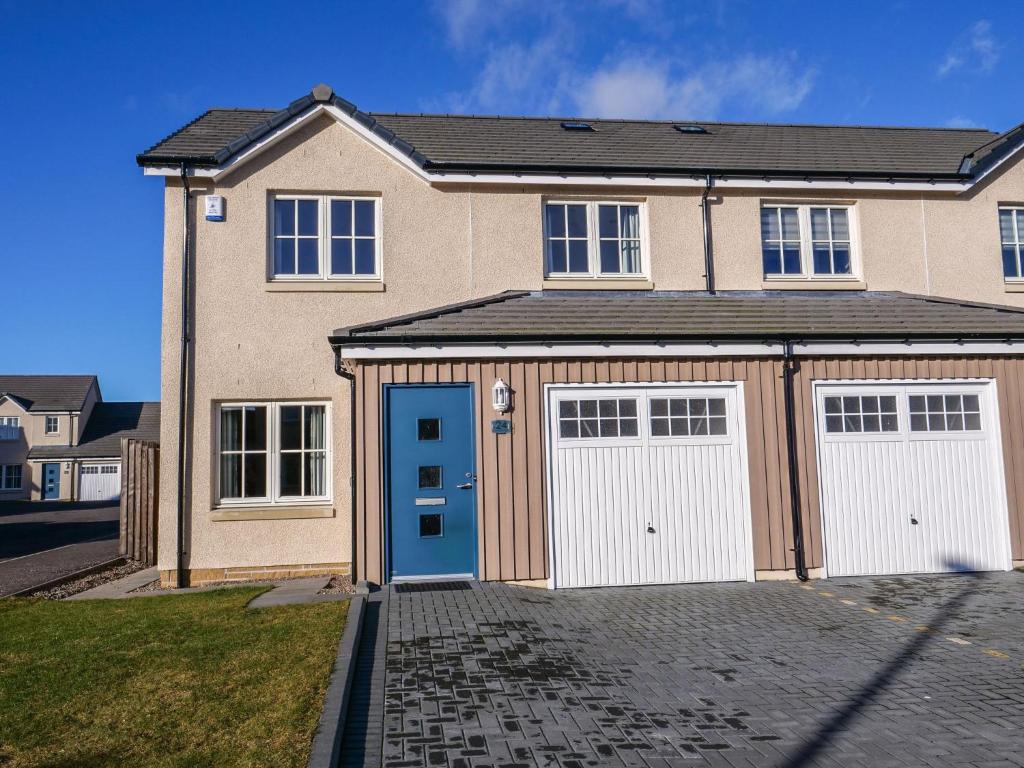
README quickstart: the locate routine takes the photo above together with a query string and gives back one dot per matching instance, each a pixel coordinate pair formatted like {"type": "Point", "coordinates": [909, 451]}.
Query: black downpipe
{"type": "Point", "coordinates": [709, 260]}
{"type": "Point", "coordinates": [338, 369]}
{"type": "Point", "coordinates": [183, 374]}
{"type": "Point", "coordinates": [789, 367]}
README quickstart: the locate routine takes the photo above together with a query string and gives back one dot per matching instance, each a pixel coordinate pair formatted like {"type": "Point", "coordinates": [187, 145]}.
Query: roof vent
{"type": "Point", "coordinates": [322, 92]}
{"type": "Point", "coordinates": [576, 125]}
{"type": "Point", "coordinates": [690, 128]}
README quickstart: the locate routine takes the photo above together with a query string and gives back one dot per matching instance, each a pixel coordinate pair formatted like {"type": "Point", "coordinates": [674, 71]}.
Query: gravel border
{"type": "Point", "coordinates": [82, 581]}
{"type": "Point", "coordinates": [339, 585]}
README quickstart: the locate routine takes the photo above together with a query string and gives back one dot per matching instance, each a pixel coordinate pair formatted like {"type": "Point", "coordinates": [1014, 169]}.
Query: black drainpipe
{"type": "Point", "coordinates": [789, 368]}
{"type": "Point", "coordinates": [183, 375]}
{"type": "Point", "coordinates": [338, 369]}
{"type": "Point", "coordinates": [709, 261]}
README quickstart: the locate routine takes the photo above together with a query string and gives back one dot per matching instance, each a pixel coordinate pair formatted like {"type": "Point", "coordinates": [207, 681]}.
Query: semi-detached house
{"type": "Point", "coordinates": [587, 352]}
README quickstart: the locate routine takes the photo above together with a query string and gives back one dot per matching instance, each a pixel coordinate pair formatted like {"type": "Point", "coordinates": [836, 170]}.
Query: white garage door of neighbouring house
{"type": "Point", "coordinates": [648, 485]}
{"type": "Point", "coordinates": [911, 478]}
{"type": "Point", "coordinates": [100, 482]}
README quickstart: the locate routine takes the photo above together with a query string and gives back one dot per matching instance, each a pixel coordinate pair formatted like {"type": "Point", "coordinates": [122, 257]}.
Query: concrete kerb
{"type": "Point", "coordinates": [327, 742]}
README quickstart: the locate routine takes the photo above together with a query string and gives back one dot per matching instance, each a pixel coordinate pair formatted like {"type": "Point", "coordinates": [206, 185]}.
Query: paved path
{"type": "Point", "coordinates": [917, 671]}
{"type": "Point", "coordinates": [40, 541]}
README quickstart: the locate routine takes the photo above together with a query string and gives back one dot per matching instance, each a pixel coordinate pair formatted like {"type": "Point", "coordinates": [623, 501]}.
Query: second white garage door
{"type": "Point", "coordinates": [648, 485]}
{"type": "Point", "coordinates": [911, 478]}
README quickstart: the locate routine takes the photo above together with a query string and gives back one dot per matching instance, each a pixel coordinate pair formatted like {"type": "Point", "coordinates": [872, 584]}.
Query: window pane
{"type": "Point", "coordinates": [588, 408]}
{"type": "Point", "coordinates": [1006, 226]}
{"type": "Point", "coordinates": [609, 427]}
{"type": "Point", "coordinates": [316, 473]}
{"type": "Point", "coordinates": [769, 224]}
{"type": "Point", "coordinates": [890, 423]}
{"type": "Point", "coordinates": [819, 224]}
{"type": "Point", "coordinates": [230, 429]}
{"type": "Point", "coordinates": [659, 427]}
{"type": "Point", "coordinates": [291, 427]}
{"type": "Point", "coordinates": [308, 214]}
{"type": "Point", "coordinates": [916, 402]}
{"type": "Point", "coordinates": [716, 406]}
{"type": "Point", "coordinates": [627, 407]}
{"type": "Point", "coordinates": [840, 224]}
{"type": "Point", "coordinates": [1010, 268]}
{"type": "Point", "coordinates": [607, 408]}
{"type": "Point", "coordinates": [577, 220]}
{"type": "Point", "coordinates": [790, 224]}
{"type": "Point", "coordinates": [971, 403]}
{"type": "Point", "coordinates": [341, 217]}
{"type": "Point", "coordinates": [556, 256]}
{"type": "Point", "coordinates": [588, 428]}
{"type": "Point", "coordinates": [291, 474]}
{"type": "Point", "coordinates": [231, 476]}
{"type": "Point", "coordinates": [678, 427]}
{"type": "Point", "coordinates": [365, 257]}
{"type": "Point", "coordinates": [609, 256]}
{"type": "Point", "coordinates": [255, 428]}
{"type": "Point", "coordinates": [284, 217]}
{"type": "Point", "coordinates": [871, 423]}
{"type": "Point", "coordinates": [428, 429]}
{"type": "Point", "coordinates": [607, 221]}
{"type": "Point", "coordinates": [822, 260]}
{"type": "Point", "coordinates": [628, 427]}
{"type": "Point", "coordinates": [833, 423]}
{"type": "Point", "coordinates": [791, 259]}
{"type": "Point", "coordinates": [955, 422]}
{"type": "Point", "coordinates": [341, 257]}
{"type": "Point", "coordinates": [698, 407]}
{"type": "Point", "coordinates": [366, 224]}
{"type": "Point", "coordinates": [833, 405]}
{"type": "Point", "coordinates": [554, 216]}
{"type": "Point", "coordinates": [315, 426]}
{"type": "Point", "coordinates": [659, 407]}
{"type": "Point", "coordinates": [567, 409]}
{"type": "Point", "coordinates": [629, 218]}
{"type": "Point", "coordinates": [430, 525]}
{"type": "Point", "coordinates": [677, 407]}
{"type": "Point", "coordinates": [918, 422]}
{"type": "Point", "coordinates": [430, 477]}
{"type": "Point", "coordinates": [936, 422]}
{"type": "Point", "coordinates": [887, 403]}
{"type": "Point", "coordinates": [578, 256]}
{"type": "Point", "coordinates": [841, 260]}
{"type": "Point", "coordinates": [309, 257]}
{"type": "Point", "coordinates": [569, 429]}
{"type": "Point", "coordinates": [717, 425]}
{"type": "Point", "coordinates": [771, 255]}
{"type": "Point", "coordinates": [284, 257]}
{"type": "Point", "coordinates": [255, 480]}
{"type": "Point", "coordinates": [972, 421]}
{"type": "Point", "coordinates": [698, 426]}
{"type": "Point", "coordinates": [630, 256]}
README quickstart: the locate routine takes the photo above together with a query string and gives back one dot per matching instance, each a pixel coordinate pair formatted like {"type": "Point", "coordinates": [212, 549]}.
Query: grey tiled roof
{"type": "Point", "coordinates": [48, 393]}
{"type": "Point", "coordinates": [528, 144]}
{"type": "Point", "coordinates": [108, 423]}
{"type": "Point", "coordinates": [549, 316]}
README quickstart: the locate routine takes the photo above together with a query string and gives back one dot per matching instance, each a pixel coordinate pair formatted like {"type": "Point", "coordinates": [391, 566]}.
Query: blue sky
{"type": "Point", "coordinates": [85, 86]}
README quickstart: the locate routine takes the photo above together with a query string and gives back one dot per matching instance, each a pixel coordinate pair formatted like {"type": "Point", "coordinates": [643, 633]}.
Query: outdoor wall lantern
{"type": "Point", "coordinates": [501, 396]}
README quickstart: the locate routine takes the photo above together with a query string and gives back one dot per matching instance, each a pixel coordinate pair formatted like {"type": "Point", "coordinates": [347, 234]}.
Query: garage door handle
{"type": "Point", "coordinates": [650, 528]}
{"type": "Point", "coordinates": [913, 521]}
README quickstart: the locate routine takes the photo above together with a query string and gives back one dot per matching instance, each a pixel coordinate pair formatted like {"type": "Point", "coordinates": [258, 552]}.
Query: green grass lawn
{"type": "Point", "coordinates": [184, 680]}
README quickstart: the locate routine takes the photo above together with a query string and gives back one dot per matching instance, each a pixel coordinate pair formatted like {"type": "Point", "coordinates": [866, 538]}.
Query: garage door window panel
{"type": "Point", "coordinates": [598, 419]}
{"type": "Point", "coordinates": [688, 417]}
{"type": "Point", "coordinates": [945, 413]}
{"type": "Point", "coordinates": [870, 415]}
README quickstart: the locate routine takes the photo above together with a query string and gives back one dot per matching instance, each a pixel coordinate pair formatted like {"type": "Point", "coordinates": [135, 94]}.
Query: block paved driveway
{"type": "Point", "coordinates": [899, 671]}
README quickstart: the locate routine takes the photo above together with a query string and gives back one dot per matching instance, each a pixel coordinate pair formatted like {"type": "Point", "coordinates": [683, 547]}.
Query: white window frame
{"type": "Point", "coordinates": [696, 394]}
{"type": "Point", "coordinates": [1019, 244]}
{"type": "Point", "coordinates": [3, 477]}
{"type": "Point", "coordinates": [273, 450]}
{"type": "Point", "coordinates": [807, 272]}
{"type": "Point", "coordinates": [594, 242]}
{"type": "Point", "coordinates": [10, 428]}
{"type": "Point", "coordinates": [56, 425]}
{"type": "Point", "coordinates": [324, 239]}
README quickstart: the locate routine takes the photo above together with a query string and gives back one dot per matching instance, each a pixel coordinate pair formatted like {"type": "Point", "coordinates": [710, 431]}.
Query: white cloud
{"type": "Point", "coordinates": [975, 49]}
{"type": "Point", "coordinates": [648, 89]}
{"type": "Point", "coordinates": [961, 122]}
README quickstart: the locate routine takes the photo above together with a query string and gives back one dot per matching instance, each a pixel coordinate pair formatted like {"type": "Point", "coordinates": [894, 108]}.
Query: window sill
{"type": "Point", "coordinates": [1014, 287]}
{"type": "Point", "coordinates": [325, 286]}
{"type": "Point", "coordinates": [271, 512]}
{"type": "Point", "coordinates": [814, 285]}
{"type": "Point", "coordinates": [597, 284]}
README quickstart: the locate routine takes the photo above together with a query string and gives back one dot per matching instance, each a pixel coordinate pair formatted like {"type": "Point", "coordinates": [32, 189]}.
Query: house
{"type": "Point", "coordinates": [587, 352]}
{"type": "Point", "coordinates": [59, 440]}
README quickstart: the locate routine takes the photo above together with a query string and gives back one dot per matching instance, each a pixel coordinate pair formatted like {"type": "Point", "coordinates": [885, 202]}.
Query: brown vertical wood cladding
{"type": "Point", "coordinates": [511, 488]}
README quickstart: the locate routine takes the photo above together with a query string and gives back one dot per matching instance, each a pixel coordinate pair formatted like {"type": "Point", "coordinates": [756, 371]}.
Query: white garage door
{"type": "Point", "coordinates": [648, 486]}
{"type": "Point", "coordinates": [100, 482]}
{"type": "Point", "coordinates": [911, 478]}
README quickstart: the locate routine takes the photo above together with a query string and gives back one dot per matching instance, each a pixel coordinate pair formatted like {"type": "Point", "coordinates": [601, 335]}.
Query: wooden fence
{"type": "Point", "coordinates": [140, 494]}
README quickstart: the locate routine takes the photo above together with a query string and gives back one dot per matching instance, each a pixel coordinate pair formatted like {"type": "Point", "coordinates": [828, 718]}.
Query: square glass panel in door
{"type": "Point", "coordinates": [430, 442]}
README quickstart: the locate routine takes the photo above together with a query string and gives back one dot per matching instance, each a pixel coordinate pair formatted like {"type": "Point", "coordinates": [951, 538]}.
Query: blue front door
{"type": "Point", "coordinates": [430, 481]}
{"type": "Point", "coordinates": [51, 481]}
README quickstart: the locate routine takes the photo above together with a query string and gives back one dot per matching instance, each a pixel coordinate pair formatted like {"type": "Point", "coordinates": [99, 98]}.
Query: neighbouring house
{"type": "Point", "coordinates": [60, 441]}
{"type": "Point", "coordinates": [587, 352]}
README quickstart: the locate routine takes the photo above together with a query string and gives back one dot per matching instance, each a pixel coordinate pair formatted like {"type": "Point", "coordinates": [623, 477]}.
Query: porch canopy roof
{"type": "Point", "coordinates": [554, 316]}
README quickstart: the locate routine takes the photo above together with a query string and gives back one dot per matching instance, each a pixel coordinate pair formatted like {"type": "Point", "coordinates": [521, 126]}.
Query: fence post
{"type": "Point", "coordinates": [139, 499]}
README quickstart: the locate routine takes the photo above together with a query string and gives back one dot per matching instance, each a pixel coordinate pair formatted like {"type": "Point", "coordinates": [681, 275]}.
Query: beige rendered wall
{"type": "Point", "coordinates": [15, 451]}
{"type": "Point", "coordinates": [254, 341]}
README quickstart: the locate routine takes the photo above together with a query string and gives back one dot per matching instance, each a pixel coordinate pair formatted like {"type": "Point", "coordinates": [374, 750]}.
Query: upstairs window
{"type": "Point", "coordinates": [325, 238]}
{"type": "Point", "coordinates": [1011, 236]}
{"type": "Point", "coordinates": [10, 427]}
{"type": "Point", "coordinates": [806, 241]}
{"type": "Point", "coordinates": [593, 240]}
{"type": "Point", "coordinates": [51, 425]}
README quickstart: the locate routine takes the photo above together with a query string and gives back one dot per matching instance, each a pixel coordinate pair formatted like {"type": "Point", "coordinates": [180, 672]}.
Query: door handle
{"type": "Point", "coordinates": [464, 486]}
